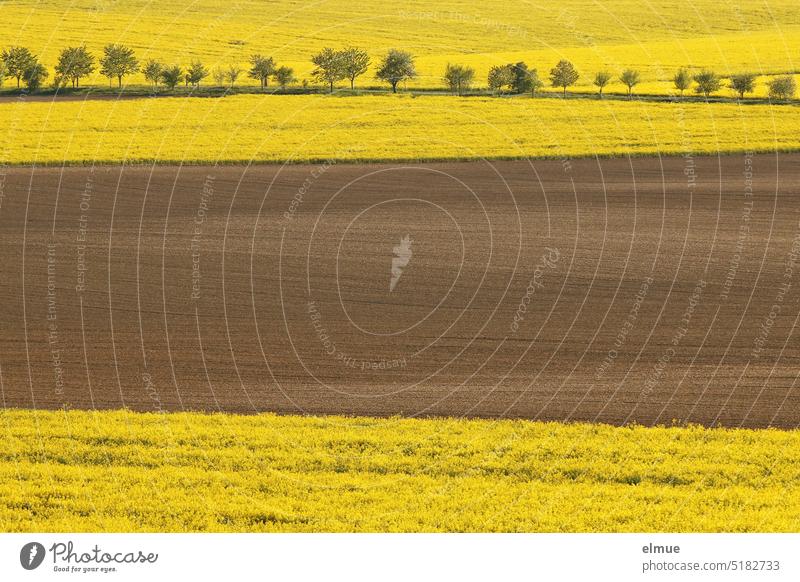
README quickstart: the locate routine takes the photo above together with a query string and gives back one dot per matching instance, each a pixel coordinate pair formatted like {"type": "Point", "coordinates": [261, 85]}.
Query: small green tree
{"type": "Point", "coordinates": [743, 83]}
{"type": "Point", "coordinates": [171, 76]}
{"type": "Point", "coordinates": [34, 76]}
{"type": "Point", "coordinates": [196, 73]}
{"type": "Point", "coordinates": [395, 67]}
{"type": "Point", "coordinates": [3, 72]}
{"type": "Point", "coordinates": [534, 82]}
{"type": "Point", "coordinates": [500, 76]}
{"type": "Point", "coordinates": [601, 79]}
{"type": "Point", "coordinates": [329, 67]}
{"type": "Point", "coordinates": [261, 68]}
{"type": "Point", "coordinates": [152, 72]}
{"type": "Point", "coordinates": [521, 78]}
{"type": "Point", "coordinates": [708, 82]}
{"type": "Point", "coordinates": [355, 63]}
{"type": "Point", "coordinates": [73, 64]}
{"type": "Point", "coordinates": [232, 74]}
{"type": "Point", "coordinates": [682, 80]}
{"type": "Point", "coordinates": [16, 60]}
{"type": "Point", "coordinates": [782, 88]}
{"type": "Point", "coordinates": [118, 61]}
{"type": "Point", "coordinates": [630, 79]}
{"type": "Point", "coordinates": [220, 76]}
{"type": "Point", "coordinates": [284, 76]}
{"type": "Point", "coordinates": [564, 75]}
{"type": "Point", "coordinates": [458, 78]}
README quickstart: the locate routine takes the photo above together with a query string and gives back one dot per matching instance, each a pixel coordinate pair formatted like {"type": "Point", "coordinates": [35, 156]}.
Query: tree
{"type": "Point", "coordinates": [118, 61]}
{"type": "Point", "coordinates": [563, 75]}
{"type": "Point", "coordinates": [59, 82]}
{"type": "Point", "coordinates": [196, 73]}
{"type": "Point", "coordinates": [16, 61]}
{"type": "Point", "coordinates": [329, 67]}
{"type": "Point", "coordinates": [534, 82]}
{"type": "Point", "coordinates": [630, 79]}
{"type": "Point", "coordinates": [602, 79]}
{"type": "Point", "coordinates": [707, 83]}
{"type": "Point", "coordinates": [743, 83]}
{"type": "Point", "coordinates": [232, 74]}
{"type": "Point", "coordinates": [782, 88]}
{"type": "Point", "coordinates": [3, 72]}
{"type": "Point", "coordinates": [220, 76]}
{"type": "Point", "coordinates": [500, 76]}
{"type": "Point", "coordinates": [74, 63]}
{"type": "Point", "coordinates": [458, 78]}
{"type": "Point", "coordinates": [261, 68]}
{"type": "Point", "coordinates": [523, 79]}
{"type": "Point", "coordinates": [284, 76]}
{"type": "Point", "coordinates": [682, 80]}
{"type": "Point", "coordinates": [395, 67]}
{"type": "Point", "coordinates": [34, 75]}
{"type": "Point", "coordinates": [171, 76]}
{"type": "Point", "coordinates": [152, 72]}
{"type": "Point", "coordinates": [355, 63]}
{"type": "Point", "coordinates": [521, 82]}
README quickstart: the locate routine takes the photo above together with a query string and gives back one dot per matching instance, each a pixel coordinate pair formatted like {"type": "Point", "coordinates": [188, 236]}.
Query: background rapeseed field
{"type": "Point", "coordinates": [655, 38]}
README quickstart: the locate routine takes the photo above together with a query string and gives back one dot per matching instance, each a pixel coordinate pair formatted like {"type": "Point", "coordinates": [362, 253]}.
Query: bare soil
{"type": "Point", "coordinates": [648, 290]}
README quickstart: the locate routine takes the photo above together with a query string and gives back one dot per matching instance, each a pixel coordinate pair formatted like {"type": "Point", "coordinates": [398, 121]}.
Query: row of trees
{"type": "Point", "coordinates": [518, 78]}
{"type": "Point", "coordinates": [119, 61]}
{"type": "Point", "coordinates": [332, 66]}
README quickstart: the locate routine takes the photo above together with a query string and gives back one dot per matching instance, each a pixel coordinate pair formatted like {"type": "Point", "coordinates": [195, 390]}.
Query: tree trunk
{"type": "Point", "coordinates": [119, 80]}
{"type": "Point", "coordinates": [352, 83]}
{"type": "Point", "coordinates": [331, 87]}
{"type": "Point", "coordinates": [394, 87]}
{"type": "Point", "coordinates": [565, 91]}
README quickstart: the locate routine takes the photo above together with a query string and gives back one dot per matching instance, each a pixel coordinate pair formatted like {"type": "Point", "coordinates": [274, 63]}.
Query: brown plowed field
{"type": "Point", "coordinates": [644, 290]}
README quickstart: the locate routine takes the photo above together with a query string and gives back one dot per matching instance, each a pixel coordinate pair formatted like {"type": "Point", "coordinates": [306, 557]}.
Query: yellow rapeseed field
{"type": "Point", "coordinates": [126, 471]}
{"type": "Point", "coordinates": [297, 128]}
{"type": "Point", "coordinates": [656, 38]}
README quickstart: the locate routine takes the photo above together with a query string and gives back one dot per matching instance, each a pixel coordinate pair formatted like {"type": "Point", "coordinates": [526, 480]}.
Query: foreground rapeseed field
{"type": "Point", "coordinates": [126, 471]}
{"type": "Point", "coordinates": [299, 128]}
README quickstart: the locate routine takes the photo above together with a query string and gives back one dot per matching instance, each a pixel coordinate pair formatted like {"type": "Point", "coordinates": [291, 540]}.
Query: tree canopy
{"type": "Point", "coordinates": [395, 67]}
{"type": "Point", "coordinates": [118, 61]}
{"type": "Point", "coordinates": [564, 75]}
